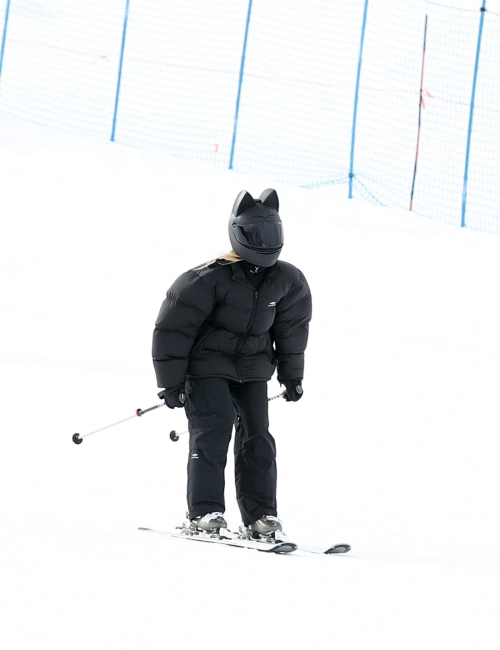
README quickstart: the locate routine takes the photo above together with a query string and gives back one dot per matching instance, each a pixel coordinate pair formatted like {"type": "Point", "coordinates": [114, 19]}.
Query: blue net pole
{"type": "Point", "coordinates": [4, 36]}
{"type": "Point", "coordinates": [240, 83]}
{"type": "Point", "coordinates": [421, 99]}
{"type": "Point", "coordinates": [471, 113]}
{"type": "Point", "coordinates": [120, 66]}
{"type": "Point", "coordinates": [356, 98]}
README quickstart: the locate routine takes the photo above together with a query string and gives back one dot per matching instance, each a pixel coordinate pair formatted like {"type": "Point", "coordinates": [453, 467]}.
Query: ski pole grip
{"type": "Point", "coordinates": [270, 399]}
{"type": "Point", "coordinates": [140, 412]}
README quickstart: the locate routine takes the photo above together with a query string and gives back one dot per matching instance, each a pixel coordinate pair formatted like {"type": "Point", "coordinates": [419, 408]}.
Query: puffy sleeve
{"type": "Point", "coordinates": [291, 329]}
{"type": "Point", "coordinates": [187, 306]}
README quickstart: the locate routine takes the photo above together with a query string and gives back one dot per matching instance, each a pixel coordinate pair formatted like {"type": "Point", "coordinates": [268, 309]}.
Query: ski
{"type": "Point", "coordinates": [279, 548]}
{"type": "Point", "coordinates": [228, 538]}
{"type": "Point", "coordinates": [336, 549]}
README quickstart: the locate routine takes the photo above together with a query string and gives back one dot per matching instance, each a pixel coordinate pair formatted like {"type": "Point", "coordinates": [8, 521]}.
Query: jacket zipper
{"type": "Point", "coordinates": [240, 345]}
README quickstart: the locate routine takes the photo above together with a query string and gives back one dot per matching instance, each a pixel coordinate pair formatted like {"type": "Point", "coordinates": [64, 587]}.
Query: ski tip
{"type": "Point", "coordinates": [338, 548]}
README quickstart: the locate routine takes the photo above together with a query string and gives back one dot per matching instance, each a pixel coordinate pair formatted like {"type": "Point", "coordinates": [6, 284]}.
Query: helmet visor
{"type": "Point", "coordinates": [262, 235]}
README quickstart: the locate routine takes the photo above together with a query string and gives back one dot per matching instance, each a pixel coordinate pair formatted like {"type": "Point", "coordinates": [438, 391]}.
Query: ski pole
{"type": "Point", "coordinates": [174, 436]}
{"type": "Point", "coordinates": [78, 439]}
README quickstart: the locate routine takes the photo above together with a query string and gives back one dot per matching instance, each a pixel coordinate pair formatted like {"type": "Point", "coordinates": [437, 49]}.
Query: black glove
{"type": "Point", "coordinates": [174, 397]}
{"type": "Point", "coordinates": [293, 390]}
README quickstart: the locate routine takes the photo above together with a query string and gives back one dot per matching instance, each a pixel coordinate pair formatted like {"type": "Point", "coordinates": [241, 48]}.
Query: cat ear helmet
{"type": "Point", "coordinates": [255, 228]}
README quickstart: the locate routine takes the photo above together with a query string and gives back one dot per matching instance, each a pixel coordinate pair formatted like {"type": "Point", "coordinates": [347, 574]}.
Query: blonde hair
{"type": "Point", "coordinates": [227, 258]}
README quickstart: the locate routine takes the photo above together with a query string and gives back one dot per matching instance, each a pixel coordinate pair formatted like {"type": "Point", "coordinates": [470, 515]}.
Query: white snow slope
{"type": "Point", "coordinates": [394, 447]}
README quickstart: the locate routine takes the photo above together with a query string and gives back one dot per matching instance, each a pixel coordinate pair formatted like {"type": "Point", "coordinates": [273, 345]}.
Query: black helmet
{"type": "Point", "coordinates": [255, 228]}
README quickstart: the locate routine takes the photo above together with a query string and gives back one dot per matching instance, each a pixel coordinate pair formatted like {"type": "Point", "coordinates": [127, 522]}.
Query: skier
{"type": "Point", "coordinates": [221, 331]}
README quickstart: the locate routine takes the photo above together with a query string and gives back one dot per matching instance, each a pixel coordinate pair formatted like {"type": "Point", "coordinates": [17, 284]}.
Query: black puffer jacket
{"type": "Point", "coordinates": [213, 323]}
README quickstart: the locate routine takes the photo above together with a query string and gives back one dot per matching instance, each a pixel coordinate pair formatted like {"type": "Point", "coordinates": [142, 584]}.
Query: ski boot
{"type": "Point", "coordinates": [268, 529]}
{"type": "Point", "coordinates": [211, 524]}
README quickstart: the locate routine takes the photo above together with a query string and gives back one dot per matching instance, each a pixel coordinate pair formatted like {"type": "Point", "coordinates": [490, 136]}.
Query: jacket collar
{"type": "Point", "coordinates": [240, 276]}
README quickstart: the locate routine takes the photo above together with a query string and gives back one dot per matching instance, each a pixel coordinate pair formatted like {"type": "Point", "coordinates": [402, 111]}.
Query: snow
{"type": "Point", "coordinates": [394, 447]}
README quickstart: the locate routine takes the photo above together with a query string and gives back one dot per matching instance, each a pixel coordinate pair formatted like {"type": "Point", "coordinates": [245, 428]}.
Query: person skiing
{"type": "Point", "coordinates": [221, 332]}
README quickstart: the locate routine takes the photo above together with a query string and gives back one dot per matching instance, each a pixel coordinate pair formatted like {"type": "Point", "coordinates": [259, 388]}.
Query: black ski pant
{"type": "Point", "coordinates": [213, 405]}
